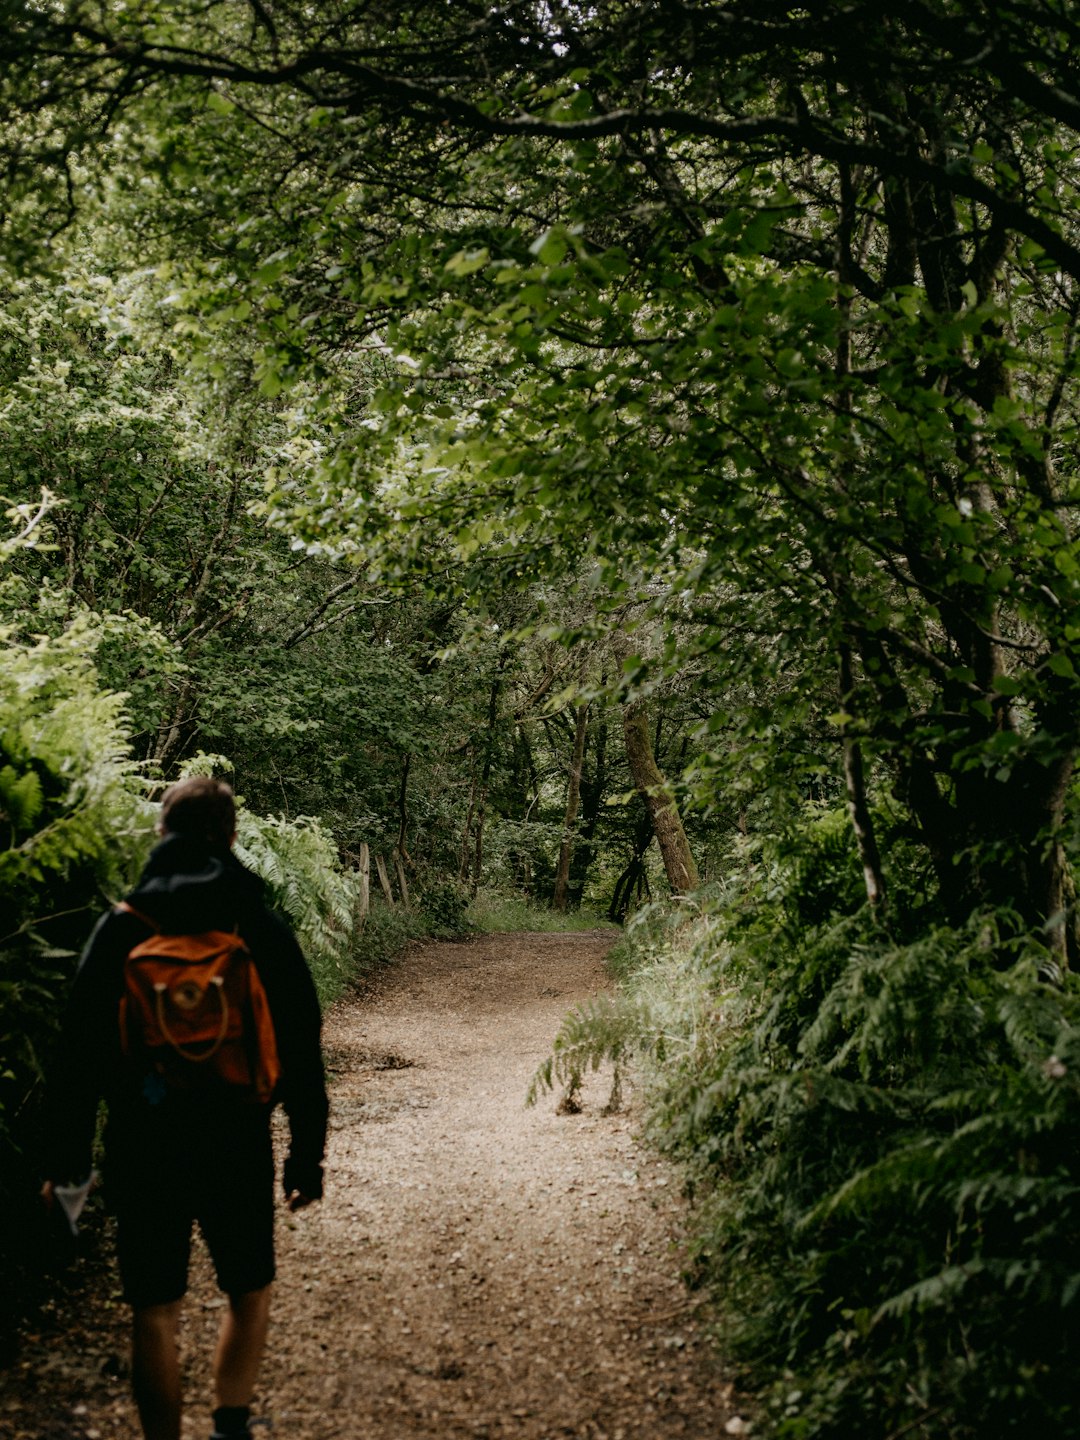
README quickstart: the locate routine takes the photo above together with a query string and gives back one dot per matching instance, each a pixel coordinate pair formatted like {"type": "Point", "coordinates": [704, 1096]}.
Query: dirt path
{"type": "Point", "coordinates": [478, 1270]}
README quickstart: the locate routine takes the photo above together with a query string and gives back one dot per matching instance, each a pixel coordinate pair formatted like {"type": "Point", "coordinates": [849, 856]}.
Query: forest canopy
{"type": "Point", "coordinates": [757, 320]}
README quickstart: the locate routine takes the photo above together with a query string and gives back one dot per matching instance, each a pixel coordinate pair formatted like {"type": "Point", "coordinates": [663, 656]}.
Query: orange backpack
{"type": "Point", "coordinates": [196, 1006]}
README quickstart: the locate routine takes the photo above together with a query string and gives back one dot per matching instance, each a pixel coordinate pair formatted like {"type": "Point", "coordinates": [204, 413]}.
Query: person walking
{"type": "Point", "coordinates": [188, 1135]}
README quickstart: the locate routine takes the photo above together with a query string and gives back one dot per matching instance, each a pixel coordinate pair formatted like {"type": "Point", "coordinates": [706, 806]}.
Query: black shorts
{"type": "Point", "coordinates": [170, 1171]}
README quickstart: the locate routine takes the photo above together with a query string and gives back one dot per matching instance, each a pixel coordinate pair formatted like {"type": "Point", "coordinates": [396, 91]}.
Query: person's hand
{"type": "Point", "coordinates": [301, 1184]}
{"type": "Point", "coordinates": [48, 1197]}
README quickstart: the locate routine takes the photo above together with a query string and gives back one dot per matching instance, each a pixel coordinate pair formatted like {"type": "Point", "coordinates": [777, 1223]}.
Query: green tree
{"type": "Point", "coordinates": [775, 308]}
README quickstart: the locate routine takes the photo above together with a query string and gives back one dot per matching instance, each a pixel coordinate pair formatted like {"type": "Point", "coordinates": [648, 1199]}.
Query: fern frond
{"type": "Point", "coordinates": [606, 1028]}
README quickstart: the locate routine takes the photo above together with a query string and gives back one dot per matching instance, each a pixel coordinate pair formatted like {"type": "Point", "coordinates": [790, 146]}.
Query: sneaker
{"type": "Point", "coordinates": [248, 1434]}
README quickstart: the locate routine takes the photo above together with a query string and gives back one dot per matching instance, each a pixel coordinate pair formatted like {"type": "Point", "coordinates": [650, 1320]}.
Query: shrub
{"type": "Point", "coordinates": [74, 829]}
{"type": "Point", "coordinates": [298, 861]}
{"type": "Point", "coordinates": [881, 1139]}
{"type": "Point", "coordinates": [445, 903]}
{"type": "Point", "coordinates": [815, 873]}
{"type": "Point", "coordinates": [493, 911]}
{"type": "Point", "coordinates": [386, 932]}
{"type": "Point", "coordinates": [889, 1136]}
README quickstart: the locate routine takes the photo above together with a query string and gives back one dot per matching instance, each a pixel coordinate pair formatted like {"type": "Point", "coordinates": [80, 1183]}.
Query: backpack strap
{"type": "Point", "coordinates": [123, 908]}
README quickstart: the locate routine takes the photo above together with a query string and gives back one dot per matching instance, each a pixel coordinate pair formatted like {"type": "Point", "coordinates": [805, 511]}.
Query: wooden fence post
{"type": "Point", "coordinates": [384, 880]}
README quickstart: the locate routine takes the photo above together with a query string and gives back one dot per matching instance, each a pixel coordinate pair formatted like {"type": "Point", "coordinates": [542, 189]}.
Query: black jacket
{"type": "Point", "coordinates": [187, 887]}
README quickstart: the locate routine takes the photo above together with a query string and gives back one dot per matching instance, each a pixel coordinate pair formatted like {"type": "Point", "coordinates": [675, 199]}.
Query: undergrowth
{"type": "Point", "coordinates": [881, 1139]}
{"type": "Point", "coordinates": [494, 913]}
{"type": "Point", "coordinates": [298, 863]}
{"type": "Point", "coordinates": [385, 933]}
{"type": "Point", "coordinates": [74, 827]}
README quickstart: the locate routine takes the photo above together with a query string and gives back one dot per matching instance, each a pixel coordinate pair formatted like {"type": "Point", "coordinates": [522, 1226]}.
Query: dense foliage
{"type": "Point", "coordinates": [880, 1140]}
{"type": "Point", "coordinates": [516, 435]}
{"type": "Point", "coordinates": [330, 695]}
{"type": "Point", "coordinates": [762, 319]}
{"type": "Point", "coordinates": [77, 826]}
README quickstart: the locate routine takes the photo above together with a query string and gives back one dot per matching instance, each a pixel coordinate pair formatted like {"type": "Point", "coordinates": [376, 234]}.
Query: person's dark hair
{"type": "Point", "coordinates": [201, 807]}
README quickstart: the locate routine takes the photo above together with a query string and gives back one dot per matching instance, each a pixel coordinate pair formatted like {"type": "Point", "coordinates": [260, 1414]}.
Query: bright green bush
{"type": "Point", "coordinates": [74, 828]}
{"type": "Point", "coordinates": [882, 1141]}
{"type": "Point", "coordinates": [299, 863]}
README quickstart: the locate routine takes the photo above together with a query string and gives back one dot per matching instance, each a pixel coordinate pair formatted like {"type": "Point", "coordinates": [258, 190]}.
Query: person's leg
{"type": "Point", "coordinates": [153, 1239]}
{"type": "Point", "coordinates": [236, 1215]}
{"type": "Point", "coordinates": [147, 1182]}
{"type": "Point", "coordinates": [241, 1341]}
{"type": "Point", "coordinates": [155, 1369]}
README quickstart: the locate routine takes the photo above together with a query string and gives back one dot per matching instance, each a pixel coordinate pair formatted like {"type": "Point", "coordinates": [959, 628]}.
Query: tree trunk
{"type": "Point", "coordinates": [170, 735]}
{"type": "Point", "coordinates": [363, 894]}
{"type": "Point", "coordinates": [653, 787]}
{"type": "Point", "coordinates": [403, 883]}
{"type": "Point", "coordinates": [635, 869]}
{"type": "Point", "coordinates": [592, 796]}
{"type": "Point", "coordinates": [995, 842]}
{"type": "Point", "coordinates": [466, 834]}
{"type": "Point", "coordinates": [1017, 859]}
{"type": "Point", "coordinates": [403, 809]}
{"type": "Point", "coordinates": [485, 777]}
{"type": "Point", "coordinates": [573, 802]}
{"type": "Point", "coordinates": [858, 804]}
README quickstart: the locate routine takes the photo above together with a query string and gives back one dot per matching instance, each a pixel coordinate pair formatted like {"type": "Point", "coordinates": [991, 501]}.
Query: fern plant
{"type": "Point", "coordinates": [74, 828]}
{"type": "Point", "coordinates": [881, 1139]}
{"type": "Point", "coordinates": [299, 863]}
{"type": "Point", "coordinates": [606, 1028]}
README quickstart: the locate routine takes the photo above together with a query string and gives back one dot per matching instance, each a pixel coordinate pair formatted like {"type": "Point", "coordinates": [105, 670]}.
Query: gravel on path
{"type": "Point", "coordinates": [478, 1270]}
